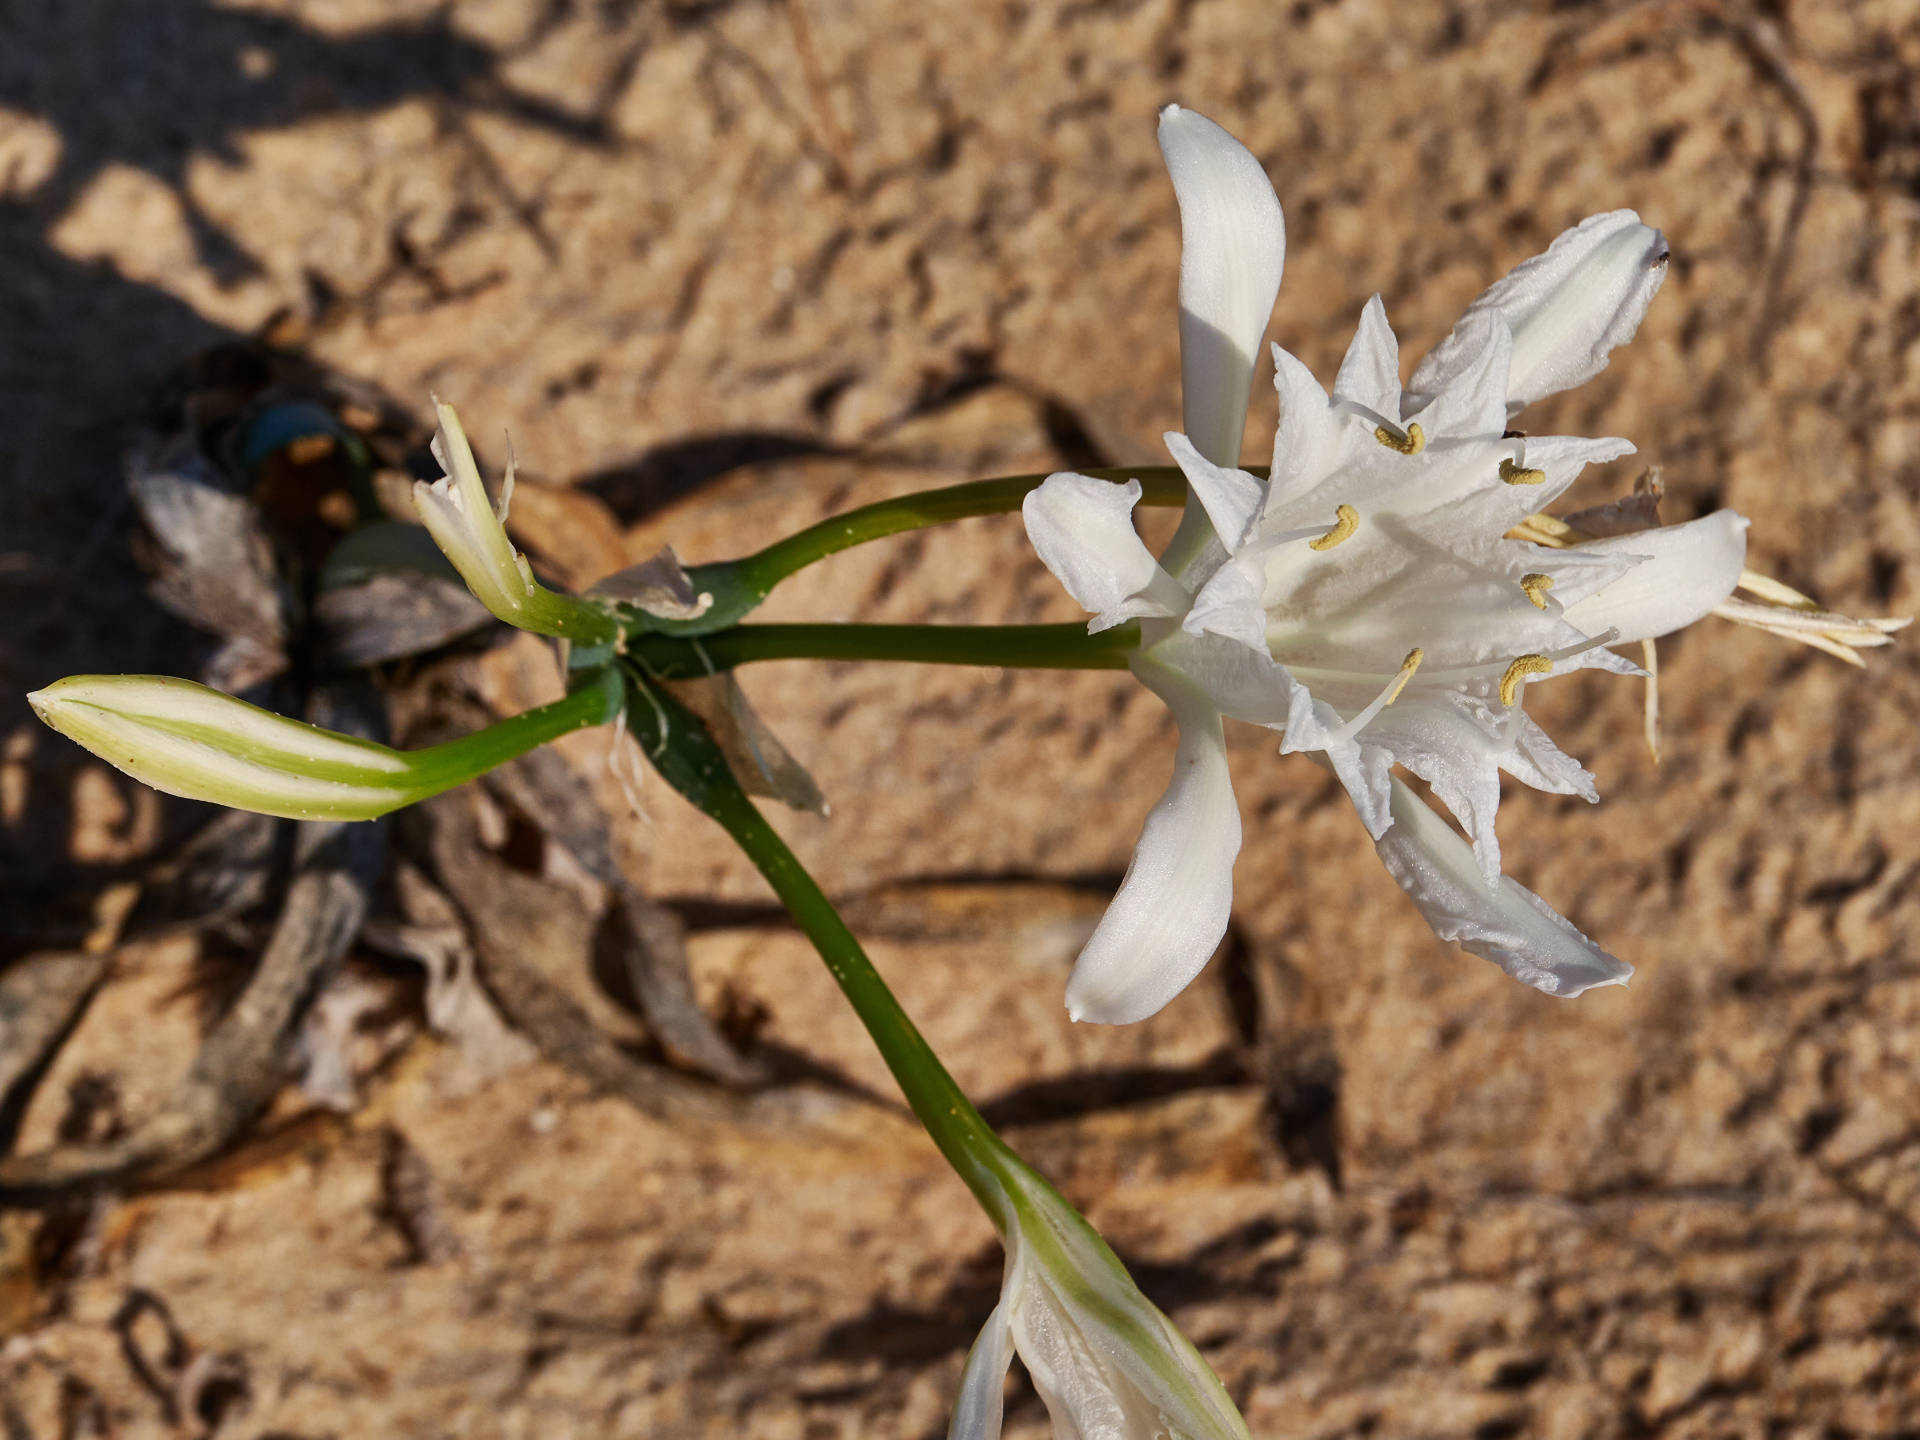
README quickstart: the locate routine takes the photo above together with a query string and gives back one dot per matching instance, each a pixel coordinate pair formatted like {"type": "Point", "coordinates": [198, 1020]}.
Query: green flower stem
{"type": "Point", "coordinates": [683, 751]}
{"type": "Point", "coordinates": [440, 767]}
{"type": "Point", "coordinates": [1164, 485]}
{"type": "Point", "coordinates": [1034, 647]}
{"type": "Point", "coordinates": [739, 585]}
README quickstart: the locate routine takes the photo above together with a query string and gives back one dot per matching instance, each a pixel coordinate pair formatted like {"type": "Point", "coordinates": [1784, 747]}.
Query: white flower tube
{"type": "Point", "coordinates": [1107, 1363]}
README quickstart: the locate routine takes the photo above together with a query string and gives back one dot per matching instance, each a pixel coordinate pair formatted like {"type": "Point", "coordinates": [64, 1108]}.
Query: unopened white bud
{"type": "Point", "coordinates": [191, 740]}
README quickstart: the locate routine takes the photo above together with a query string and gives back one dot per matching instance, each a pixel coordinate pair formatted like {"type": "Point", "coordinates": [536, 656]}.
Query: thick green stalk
{"type": "Point", "coordinates": [1164, 485]}
{"type": "Point", "coordinates": [440, 767]}
{"type": "Point", "coordinates": [1034, 647]}
{"type": "Point", "coordinates": [738, 586]}
{"type": "Point", "coordinates": [683, 751]}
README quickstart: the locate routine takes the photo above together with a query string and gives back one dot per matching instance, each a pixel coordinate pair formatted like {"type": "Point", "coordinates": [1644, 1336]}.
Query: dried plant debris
{"type": "Point", "coordinates": [198, 1390]}
{"type": "Point", "coordinates": [512, 915]}
{"type": "Point", "coordinates": [41, 998]}
{"type": "Point", "coordinates": [411, 1200]}
{"type": "Point", "coordinates": [225, 870]}
{"type": "Point", "coordinates": [273, 515]}
{"type": "Point", "coordinates": [211, 562]}
{"type": "Point", "coordinates": [650, 939]}
{"type": "Point", "coordinates": [242, 1062]}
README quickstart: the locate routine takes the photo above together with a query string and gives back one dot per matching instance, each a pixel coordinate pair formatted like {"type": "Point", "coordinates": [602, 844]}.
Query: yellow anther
{"type": "Point", "coordinates": [1412, 442]}
{"type": "Point", "coordinates": [1407, 667]}
{"type": "Point", "coordinates": [1516, 475]}
{"type": "Point", "coordinates": [1536, 587]}
{"type": "Point", "coordinates": [1517, 673]}
{"type": "Point", "coordinates": [1346, 522]}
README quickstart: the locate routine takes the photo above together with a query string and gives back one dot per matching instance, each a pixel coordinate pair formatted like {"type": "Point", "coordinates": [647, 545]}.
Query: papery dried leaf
{"type": "Point", "coordinates": [392, 616]}
{"type": "Point", "coordinates": [761, 763]}
{"type": "Point", "coordinates": [658, 586]}
{"type": "Point", "coordinates": [211, 561]}
{"type": "Point", "coordinates": [1628, 516]}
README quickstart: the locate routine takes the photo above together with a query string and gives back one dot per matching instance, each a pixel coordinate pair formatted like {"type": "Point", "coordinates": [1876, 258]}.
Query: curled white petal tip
{"type": "Point", "coordinates": [1082, 529]}
{"type": "Point", "coordinates": [1172, 909]}
{"type": "Point", "coordinates": [1233, 246]}
{"type": "Point", "coordinates": [1503, 921]}
{"type": "Point", "coordinates": [1231, 497]}
{"type": "Point", "coordinates": [1567, 307]}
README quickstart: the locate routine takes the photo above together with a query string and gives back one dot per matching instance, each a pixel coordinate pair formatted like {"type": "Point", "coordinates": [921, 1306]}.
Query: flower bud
{"type": "Point", "coordinates": [187, 739]}
{"type": "Point", "coordinates": [461, 518]}
{"type": "Point", "coordinates": [1102, 1356]}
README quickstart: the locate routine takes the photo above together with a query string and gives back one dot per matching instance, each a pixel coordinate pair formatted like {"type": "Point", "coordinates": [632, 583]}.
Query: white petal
{"type": "Point", "coordinates": [1232, 497]}
{"type": "Point", "coordinates": [1567, 308]}
{"type": "Point", "coordinates": [1505, 923]}
{"type": "Point", "coordinates": [1083, 531]}
{"type": "Point", "coordinates": [1233, 602]}
{"type": "Point", "coordinates": [981, 1404]}
{"type": "Point", "coordinates": [1535, 760]}
{"type": "Point", "coordinates": [1474, 400]}
{"type": "Point", "coordinates": [1233, 243]}
{"type": "Point", "coordinates": [1173, 906]}
{"type": "Point", "coordinates": [1306, 425]}
{"type": "Point", "coordinates": [1370, 373]}
{"type": "Point", "coordinates": [1455, 744]}
{"type": "Point", "coordinates": [1242, 681]}
{"type": "Point", "coordinates": [1687, 571]}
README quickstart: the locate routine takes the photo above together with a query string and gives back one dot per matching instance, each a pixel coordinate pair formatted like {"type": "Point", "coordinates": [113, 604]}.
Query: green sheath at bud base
{"type": "Point", "coordinates": [188, 739]}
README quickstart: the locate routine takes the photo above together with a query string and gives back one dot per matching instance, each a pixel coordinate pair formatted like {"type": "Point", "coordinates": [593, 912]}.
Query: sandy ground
{"type": "Point", "coordinates": [726, 267]}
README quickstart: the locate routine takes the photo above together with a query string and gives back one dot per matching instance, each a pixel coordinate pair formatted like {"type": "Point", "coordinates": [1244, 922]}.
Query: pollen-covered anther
{"type": "Point", "coordinates": [1537, 586]}
{"type": "Point", "coordinates": [1410, 441]}
{"type": "Point", "coordinates": [1346, 521]}
{"type": "Point", "coordinates": [1407, 667]}
{"type": "Point", "coordinates": [1519, 672]}
{"type": "Point", "coordinates": [1519, 475]}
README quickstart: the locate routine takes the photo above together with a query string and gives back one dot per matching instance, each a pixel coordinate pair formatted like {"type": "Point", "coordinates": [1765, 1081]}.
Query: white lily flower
{"type": "Point", "coordinates": [1364, 603]}
{"type": "Point", "coordinates": [1107, 1363]}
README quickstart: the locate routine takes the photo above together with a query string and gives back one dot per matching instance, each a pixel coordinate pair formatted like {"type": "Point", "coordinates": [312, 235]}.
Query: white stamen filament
{"type": "Point", "coordinates": [1386, 697]}
{"type": "Point", "coordinates": [1312, 675]}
